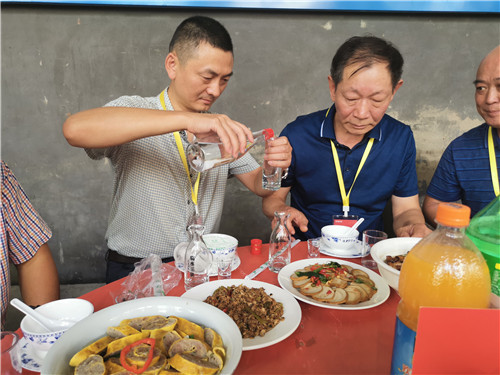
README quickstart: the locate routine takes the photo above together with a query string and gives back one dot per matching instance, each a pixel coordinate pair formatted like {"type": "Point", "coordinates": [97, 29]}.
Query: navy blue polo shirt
{"type": "Point", "coordinates": [389, 170]}
{"type": "Point", "coordinates": [464, 173]}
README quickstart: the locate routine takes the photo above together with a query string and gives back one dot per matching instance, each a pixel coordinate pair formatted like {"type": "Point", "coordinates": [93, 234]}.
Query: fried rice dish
{"type": "Point", "coordinates": [253, 310]}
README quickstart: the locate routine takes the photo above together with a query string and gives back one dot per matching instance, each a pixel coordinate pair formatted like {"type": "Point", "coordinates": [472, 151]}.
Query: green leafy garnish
{"type": "Point", "coordinates": [314, 273]}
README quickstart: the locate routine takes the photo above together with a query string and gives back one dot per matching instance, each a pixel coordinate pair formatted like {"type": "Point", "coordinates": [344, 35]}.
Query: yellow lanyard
{"type": "Point", "coordinates": [345, 197]}
{"type": "Point", "coordinates": [493, 162]}
{"type": "Point", "coordinates": [194, 191]}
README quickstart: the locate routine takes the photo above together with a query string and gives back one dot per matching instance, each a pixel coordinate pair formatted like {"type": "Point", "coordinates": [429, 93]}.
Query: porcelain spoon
{"type": "Point", "coordinates": [355, 226]}
{"type": "Point", "coordinates": [50, 325]}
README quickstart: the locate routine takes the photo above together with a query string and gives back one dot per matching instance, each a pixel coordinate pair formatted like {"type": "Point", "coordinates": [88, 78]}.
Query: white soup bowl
{"type": "Point", "coordinates": [335, 236]}
{"type": "Point", "coordinates": [71, 309]}
{"type": "Point", "coordinates": [391, 247]}
{"type": "Point", "coordinates": [222, 246]}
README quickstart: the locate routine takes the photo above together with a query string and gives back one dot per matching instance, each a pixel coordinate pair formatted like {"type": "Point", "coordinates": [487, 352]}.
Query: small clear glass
{"type": "Point", "coordinates": [224, 268]}
{"type": "Point", "coordinates": [370, 238]}
{"type": "Point", "coordinates": [313, 245]}
{"type": "Point", "coordinates": [271, 176]}
{"type": "Point", "coordinates": [10, 361]}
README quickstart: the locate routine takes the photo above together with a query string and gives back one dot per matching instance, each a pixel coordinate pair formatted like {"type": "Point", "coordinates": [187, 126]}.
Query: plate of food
{"type": "Point", "coordinates": [334, 284]}
{"type": "Point", "coordinates": [237, 296]}
{"type": "Point", "coordinates": [140, 324]}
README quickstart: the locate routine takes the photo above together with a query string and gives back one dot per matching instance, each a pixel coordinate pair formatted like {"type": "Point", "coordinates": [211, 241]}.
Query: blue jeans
{"type": "Point", "coordinates": [116, 270]}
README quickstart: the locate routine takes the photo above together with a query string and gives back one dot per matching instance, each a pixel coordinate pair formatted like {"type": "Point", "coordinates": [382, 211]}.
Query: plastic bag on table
{"type": "Point", "coordinates": [150, 278]}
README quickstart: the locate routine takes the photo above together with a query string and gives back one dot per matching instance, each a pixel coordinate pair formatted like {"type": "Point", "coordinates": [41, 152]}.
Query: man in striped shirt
{"type": "Point", "coordinates": [470, 166]}
{"type": "Point", "coordinates": [154, 197]}
{"type": "Point", "coordinates": [23, 240]}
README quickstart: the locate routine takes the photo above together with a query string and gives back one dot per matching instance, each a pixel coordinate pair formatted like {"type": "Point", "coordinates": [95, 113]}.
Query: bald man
{"type": "Point", "coordinates": [469, 168]}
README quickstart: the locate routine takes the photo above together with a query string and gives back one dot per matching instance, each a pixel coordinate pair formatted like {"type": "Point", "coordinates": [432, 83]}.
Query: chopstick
{"type": "Point", "coordinates": [255, 272]}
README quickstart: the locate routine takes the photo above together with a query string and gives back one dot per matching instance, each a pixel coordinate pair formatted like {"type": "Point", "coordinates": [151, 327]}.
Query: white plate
{"type": "Point", "coordinates": [292, 311]}
{"type": "Point", "coordinates": [94, 327]}
{"type": "Point", "coordinates": [383, 290]}
{"type": "Point", "coordinates": [352, 252]}
{"type": "Point", "coordinates": [29, 359]}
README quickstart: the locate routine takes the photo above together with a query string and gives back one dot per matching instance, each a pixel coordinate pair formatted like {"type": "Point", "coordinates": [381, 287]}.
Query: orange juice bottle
{"type": "Point", "coordinates": [445, 269]}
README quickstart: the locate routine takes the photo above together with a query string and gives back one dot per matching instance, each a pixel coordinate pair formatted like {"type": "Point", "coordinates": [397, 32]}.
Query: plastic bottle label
{"type": "Point", "coordinates": [402, 352]}
{"type": "Point", "coordinates": [495, 280]}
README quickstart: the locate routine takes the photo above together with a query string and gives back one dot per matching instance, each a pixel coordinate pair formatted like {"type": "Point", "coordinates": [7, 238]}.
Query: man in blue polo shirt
{"type": "Point", "coordinates": [469, 168]}
{"type": "Point", "coordinates": [352, 158]}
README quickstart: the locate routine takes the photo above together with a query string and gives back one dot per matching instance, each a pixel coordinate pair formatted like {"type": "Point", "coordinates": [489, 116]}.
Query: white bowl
{"type": "Point", "coordinates": [94, 327]}
{"type": "Point", "coordinates": [392, 247]}
{"type": "Point", "coordinates": [334, 236]}
{"type": "Point", "coordinates": [222, 246]}
{"type": "Point", "coordinates": [72, 309]}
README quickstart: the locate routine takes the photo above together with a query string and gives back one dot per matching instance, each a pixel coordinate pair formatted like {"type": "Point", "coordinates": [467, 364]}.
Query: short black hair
{"type": "Point", "coordinates": [199, 29]}
{"type": "Point", "coordinates": [367, 50]}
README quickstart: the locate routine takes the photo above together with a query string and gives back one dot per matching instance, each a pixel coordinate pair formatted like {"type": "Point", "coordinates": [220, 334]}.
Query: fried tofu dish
{"type": "Point", "coordinates": [334, 283]}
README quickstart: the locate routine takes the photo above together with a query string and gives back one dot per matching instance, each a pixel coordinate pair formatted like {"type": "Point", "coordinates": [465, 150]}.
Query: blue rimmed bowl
{"type": "Point", "coordinates": [68, 309]}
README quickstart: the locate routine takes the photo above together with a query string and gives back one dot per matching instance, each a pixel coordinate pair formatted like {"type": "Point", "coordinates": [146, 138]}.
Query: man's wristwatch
{"type": "Point", "coordinates": [284, 173]}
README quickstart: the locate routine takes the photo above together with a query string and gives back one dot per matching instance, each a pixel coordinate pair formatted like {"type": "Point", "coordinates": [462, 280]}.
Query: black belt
{"type": "Point", "coordinates": [115, 257]}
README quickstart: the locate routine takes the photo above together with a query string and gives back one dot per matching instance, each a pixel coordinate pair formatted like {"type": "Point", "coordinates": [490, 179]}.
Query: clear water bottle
{"type": "Point", "coordinates": [279, 243]}
{"type": "Point", "coordinates": [198, 259]}
{"type": "Point", "coordinates": [207, 153]}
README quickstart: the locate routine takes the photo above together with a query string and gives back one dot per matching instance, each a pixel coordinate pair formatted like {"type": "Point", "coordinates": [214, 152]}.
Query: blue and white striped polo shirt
{"type": "Point", "coordinates": [463, 173]}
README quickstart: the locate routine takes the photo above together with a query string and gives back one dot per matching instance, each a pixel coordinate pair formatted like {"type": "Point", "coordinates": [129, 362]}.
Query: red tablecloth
{"type": "Point", "coordinates": [327, 341]}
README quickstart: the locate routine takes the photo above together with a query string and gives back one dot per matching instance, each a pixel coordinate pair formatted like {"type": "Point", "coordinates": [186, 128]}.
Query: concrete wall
{"type": "Point", "coordinates": [60, 60]}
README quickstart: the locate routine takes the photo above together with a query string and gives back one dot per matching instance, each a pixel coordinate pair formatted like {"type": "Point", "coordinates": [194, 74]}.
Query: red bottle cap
{"type": "Point", "coordinates": [268, 133]}
{"type": "Point", "coordinates": [256, 246]}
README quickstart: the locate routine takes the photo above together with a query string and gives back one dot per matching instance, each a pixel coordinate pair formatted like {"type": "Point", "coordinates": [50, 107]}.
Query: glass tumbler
{"type": "Point", "coordinates": [313, 245]}
{"type": "Point", "coordinates": [10, 361]}
{"type": "Point", "coordinates": [370, 238]}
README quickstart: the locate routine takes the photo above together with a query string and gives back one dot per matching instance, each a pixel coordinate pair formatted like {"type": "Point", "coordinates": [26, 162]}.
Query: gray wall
{"type": "Point", "coordinates": [60, 60]}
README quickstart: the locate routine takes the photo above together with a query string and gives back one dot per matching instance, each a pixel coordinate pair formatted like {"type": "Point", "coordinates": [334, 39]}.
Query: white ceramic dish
{"type": "Point", "coordinates": [94, 327]}
{"type": "Point", "coordinates": [29, 359]}
{"type": "Point", "coordinates": [292, 311]}
{"type": "Point", "coordinates": [69, 309]}
{"type": "Point", "coordinates": [383, 290]}
{"type": "Point", "coordinates": [352, 252]}
{"type": "Point", "coordinates": [335, 236]}
{"type": "Point", "coordinates": [392, 247]}
{"type": "Point", "coordinates": [213, 270]}
{"type": "Point", "coordinates": [220, 243]}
